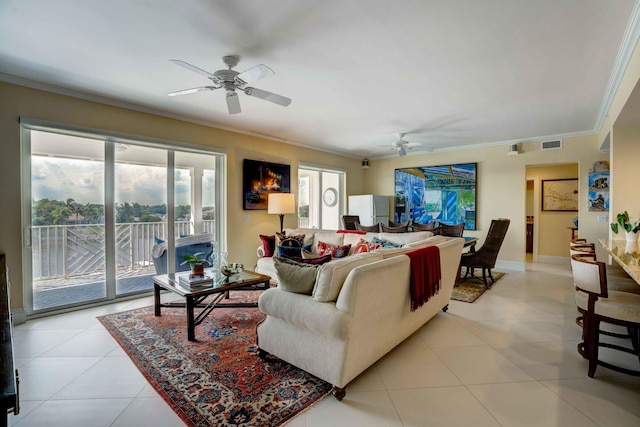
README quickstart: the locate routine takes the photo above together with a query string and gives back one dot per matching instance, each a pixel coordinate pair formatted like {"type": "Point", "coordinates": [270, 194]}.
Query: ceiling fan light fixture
{"type": "Point", "coordinates": [402, 152]}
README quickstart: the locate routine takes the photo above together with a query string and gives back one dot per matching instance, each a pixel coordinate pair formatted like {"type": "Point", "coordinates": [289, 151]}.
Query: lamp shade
{"type": "Point", "coordinates": [281, 203]}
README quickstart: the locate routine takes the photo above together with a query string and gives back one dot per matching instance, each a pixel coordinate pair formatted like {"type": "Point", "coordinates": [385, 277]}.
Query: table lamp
{"type": "Point", "coordinates": [281, 204]}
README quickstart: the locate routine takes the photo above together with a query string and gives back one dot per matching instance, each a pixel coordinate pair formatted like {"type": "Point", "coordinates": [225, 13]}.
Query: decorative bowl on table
{"type": "Point", "coordinates": [231, 269]}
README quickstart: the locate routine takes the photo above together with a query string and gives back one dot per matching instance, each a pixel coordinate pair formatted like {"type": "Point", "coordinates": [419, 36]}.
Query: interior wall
{"type": "Point", "coordinates": [501, 185]}
{"type": "Point", "coordinates": [243, 226]}
{"type": "Point", "coordinates": [552, 227]}
{"type": "Point", "coordinates": [625, 172]}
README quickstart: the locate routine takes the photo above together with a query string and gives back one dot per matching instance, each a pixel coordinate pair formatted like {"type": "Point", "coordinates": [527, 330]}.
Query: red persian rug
{"type": "Point", "coordinates": [217, 380]}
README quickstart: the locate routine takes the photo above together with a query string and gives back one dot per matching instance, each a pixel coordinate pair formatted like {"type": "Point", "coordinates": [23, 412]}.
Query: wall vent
{"type": "Point", "coordinates": [551, 145]}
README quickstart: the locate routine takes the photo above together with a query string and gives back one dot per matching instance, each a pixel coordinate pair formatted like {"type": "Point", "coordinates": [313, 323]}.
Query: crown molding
{"type": "Point", "coordinates": [629, 42]}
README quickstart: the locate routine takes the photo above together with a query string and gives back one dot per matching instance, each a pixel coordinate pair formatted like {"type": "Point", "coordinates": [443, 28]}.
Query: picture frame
{"type": "Point", "coordinates": [560, 195]}
{"type": "Point", "coordinates": [261, 178]}
{"type": "Point", "coordinates": [444, 194]}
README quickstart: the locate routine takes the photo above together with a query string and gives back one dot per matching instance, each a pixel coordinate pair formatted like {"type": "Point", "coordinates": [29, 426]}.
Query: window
{"type": "Point", "coordinates": [321, 199]}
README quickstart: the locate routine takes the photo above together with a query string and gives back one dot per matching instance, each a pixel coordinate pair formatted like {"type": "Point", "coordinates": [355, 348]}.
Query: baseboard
{"type": "Point", "coordinates": [560, 260]}
{"type": "Point", "coordinates": [19, 316]}
{"type": "Point", "coordinates": [510, 265]}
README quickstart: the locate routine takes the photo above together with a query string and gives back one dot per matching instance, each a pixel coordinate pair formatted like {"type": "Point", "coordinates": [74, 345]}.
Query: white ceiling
{"type": "Point", "coordinates": [450, 73]}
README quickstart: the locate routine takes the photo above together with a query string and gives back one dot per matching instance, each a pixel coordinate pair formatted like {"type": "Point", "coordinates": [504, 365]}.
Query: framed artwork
{"type": "Point", "coordinates": [445, 194]}
{"type": "Point", "coordinates": [560, 194]}
{"type": "Point", "coordinates": [261, 178]}
{"type": "Point", "coordinates": [599, 187]}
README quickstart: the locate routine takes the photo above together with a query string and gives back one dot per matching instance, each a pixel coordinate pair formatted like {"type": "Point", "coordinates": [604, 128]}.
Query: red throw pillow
{"type": "Point", "coordinates": [268, 244]}
{"type": "Point", "coordinates": [334, 251]}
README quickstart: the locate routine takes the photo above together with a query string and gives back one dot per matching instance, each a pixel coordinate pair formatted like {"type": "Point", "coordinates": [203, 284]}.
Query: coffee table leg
{"type": "Point", "coordinates": [156, 299]}
{"type": "Point", "coordinates": [191, 324]}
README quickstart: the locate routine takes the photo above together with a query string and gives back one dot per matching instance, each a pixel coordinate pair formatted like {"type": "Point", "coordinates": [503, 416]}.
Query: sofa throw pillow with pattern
{"type": "Point", "coordinates": [363, 246]}
{"type": "Point", "coordinates": [333, 250]}
{"type": "Point", "coordinates": [384, 243]}
{"type": "Point", "coordinates": [295, 277]}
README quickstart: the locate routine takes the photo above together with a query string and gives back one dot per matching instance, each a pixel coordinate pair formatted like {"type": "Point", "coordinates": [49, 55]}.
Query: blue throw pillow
{"type": "Point", "coordinates": [291, 251]}
{"type": "Point", "coordinates": [384, 243]}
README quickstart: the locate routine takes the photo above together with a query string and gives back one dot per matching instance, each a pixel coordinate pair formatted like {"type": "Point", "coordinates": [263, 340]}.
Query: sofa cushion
{"type": "Point", "coordinates": [391, 252]}
{"type": "Point", "coordinates": [268, 244]}
{"type": "Point", "coordinates": [434, 240]}
{"type": "Point", "coordinates": [400, 239]}
{"type": "Point", "coordinates": [295, 277]}
{"type": "Point", "coordinates": [354, 239]}
{"type": "Point", "coordinates": [332, 274]}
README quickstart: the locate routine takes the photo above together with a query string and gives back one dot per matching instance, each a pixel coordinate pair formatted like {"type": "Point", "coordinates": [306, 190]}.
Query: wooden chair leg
{"type": "Point", "coordinates": [594, 327]}
{"type": "Point", "coordinates": [490, 276]}
{"type": "Point", "coordinates": [484, 277]}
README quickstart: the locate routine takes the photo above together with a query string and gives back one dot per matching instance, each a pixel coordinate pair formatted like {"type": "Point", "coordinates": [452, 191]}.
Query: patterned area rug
{"type": "Point", "coordinates": [470, 290]}
{"type": "Point", "coordinates": [218, 379]}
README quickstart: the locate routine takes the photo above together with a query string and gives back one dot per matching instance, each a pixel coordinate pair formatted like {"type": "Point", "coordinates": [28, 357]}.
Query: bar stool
{"type": "Point", "coordinates": [601, 305]}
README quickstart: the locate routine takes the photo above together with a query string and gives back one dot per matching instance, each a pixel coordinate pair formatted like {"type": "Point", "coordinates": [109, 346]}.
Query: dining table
{"type": "Point", "coordinates": [626, 254]}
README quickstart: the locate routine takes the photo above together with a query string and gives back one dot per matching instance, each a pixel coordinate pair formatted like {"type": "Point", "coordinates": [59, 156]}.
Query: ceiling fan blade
{"type": "Point", "coordinates": [192, 68]}
{"type": "Point", "coordinates": [255, 73]}
{"type": "Point", "coordinates": [233, 103]}
{"type": "Point", "coordinates": [268, 96]}
{"type": "Point", "coordinates": [193, 90]}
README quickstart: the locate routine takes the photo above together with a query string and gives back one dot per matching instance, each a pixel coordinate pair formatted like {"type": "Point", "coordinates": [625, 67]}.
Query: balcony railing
{"type": "Point", "coordinates": [69, 251]}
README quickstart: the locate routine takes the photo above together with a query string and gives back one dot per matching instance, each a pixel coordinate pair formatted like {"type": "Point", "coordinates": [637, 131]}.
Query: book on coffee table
{"type": "Point", "coordinates": [196, 280]}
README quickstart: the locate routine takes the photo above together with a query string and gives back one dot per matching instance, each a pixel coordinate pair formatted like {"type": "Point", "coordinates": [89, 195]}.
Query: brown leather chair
{"type": "Point", "coordinates": [370, 228]}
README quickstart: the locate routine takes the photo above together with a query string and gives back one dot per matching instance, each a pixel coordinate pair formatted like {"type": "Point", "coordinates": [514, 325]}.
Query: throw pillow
{"type": "Point", "coordinates": [293, 240]}
{"type": "Point", "coordinates": [384, 243]}
{"type": "Point", "coordinates": [291, 251]}
{"type": "Point", "coordinates": [363, 246]}
{"type": "Point", "coordinates": [296, 278]}
{"type": "Point", "coordinates": [268, 244]}
{"type": "Point", "coordinates": [333, 250]}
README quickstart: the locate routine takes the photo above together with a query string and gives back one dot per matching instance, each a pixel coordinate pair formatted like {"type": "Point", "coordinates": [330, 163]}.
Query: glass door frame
{"type": "Point", "coordinates": [110, 139]}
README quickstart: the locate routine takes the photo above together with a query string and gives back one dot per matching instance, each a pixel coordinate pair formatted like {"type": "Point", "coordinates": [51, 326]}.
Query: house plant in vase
{"type": "Point", "coordinates": [195, 262]}
{"type": "Point", "coordinates": [630, 227]}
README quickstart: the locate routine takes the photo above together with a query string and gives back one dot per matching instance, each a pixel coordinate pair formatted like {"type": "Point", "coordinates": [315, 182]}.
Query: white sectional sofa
{"type": "Point", "coordinates": [336, 339]}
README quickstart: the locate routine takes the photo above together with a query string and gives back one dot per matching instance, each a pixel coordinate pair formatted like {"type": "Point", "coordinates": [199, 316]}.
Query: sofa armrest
{"type": "Point", "coordinates": [302, 311]}
{"type": "Point", "coordinates": [260, 251]}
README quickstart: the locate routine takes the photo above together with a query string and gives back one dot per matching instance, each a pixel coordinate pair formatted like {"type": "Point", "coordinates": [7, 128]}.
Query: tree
{"type": "Point", "coordinates": [149, 217]}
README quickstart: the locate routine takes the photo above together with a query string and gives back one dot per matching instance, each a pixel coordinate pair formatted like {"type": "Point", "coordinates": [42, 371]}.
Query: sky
{"type": "Point", "coordinates": [57, 178]}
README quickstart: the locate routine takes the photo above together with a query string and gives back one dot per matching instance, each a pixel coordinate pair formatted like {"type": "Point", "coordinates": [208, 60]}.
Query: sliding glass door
{"type": "Point", "coordinates": [102, 214]}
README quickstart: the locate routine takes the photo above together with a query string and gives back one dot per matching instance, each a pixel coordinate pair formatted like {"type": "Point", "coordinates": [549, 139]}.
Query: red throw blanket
{"type": "Point", "coordinates": [425, 275]}
{"type": "Point", "coordinates": [352, 232]}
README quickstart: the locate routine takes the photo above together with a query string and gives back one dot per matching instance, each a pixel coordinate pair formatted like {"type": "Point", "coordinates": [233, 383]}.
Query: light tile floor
{"type": "Point", "coordinates": [509, 359]}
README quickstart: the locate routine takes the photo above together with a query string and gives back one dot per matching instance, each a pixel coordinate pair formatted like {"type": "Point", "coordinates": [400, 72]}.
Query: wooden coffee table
{"type": "Point", "coordinates": [245, 280]}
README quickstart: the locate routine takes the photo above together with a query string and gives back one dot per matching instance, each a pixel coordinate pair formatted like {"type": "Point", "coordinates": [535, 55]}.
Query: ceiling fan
{"type": "Point", "coordinates": [402, 146]}
{"type": "Point", "coordinates": [230, 80]}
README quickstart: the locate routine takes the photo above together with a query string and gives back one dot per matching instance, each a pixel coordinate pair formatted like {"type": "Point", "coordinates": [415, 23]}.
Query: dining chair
{"type": "Point", "coordinates": [454, 230]}
{"type": "Point", "coordinates": [349, 221]}
{"type": "Point", "coordinates": [369, 228]}
{"type": "Point", "coordinates": [485, 257]}
{"type": "Point", "coordinates": [603, 305]}
{"type": "Point", "coordinates": [424, 227]}
{"type": "Point", "coordinates": [397, 229]}
{"type": "Point", "coordinates": [398, 224]}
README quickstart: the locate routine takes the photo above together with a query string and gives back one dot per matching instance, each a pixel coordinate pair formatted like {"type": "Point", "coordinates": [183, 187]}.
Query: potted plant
{"type": "Point", "coordinates": [195, 262]}
{"type": "Point", "coordinates": [631, 228]}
